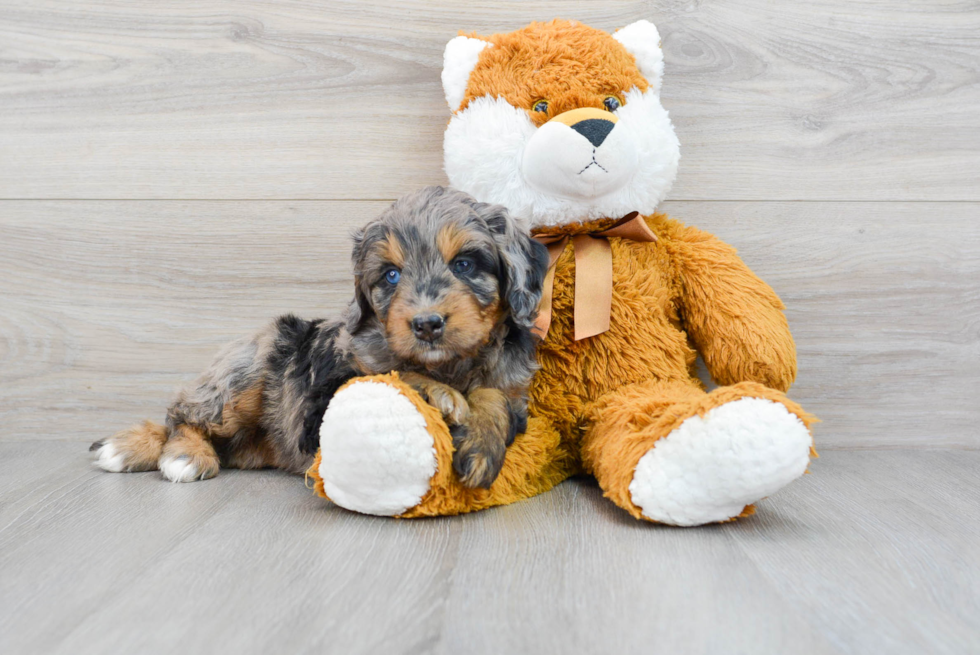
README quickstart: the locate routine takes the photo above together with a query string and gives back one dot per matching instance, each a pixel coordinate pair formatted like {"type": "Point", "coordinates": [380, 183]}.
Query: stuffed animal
{"type": "Point", "coordinates": [563, 124]}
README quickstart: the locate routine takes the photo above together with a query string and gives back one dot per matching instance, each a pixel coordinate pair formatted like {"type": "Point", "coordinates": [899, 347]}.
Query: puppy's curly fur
{"type": "Point", "coordinates": [446, 291]}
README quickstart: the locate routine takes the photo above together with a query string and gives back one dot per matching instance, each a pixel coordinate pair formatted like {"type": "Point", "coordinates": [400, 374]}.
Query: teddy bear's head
{"type": "Point", "coordinates": [560, 122]}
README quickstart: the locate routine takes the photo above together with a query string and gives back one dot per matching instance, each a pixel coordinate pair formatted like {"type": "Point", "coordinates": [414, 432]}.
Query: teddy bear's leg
{"type": "Point", "coordinates": [385, 451]}
{"type": "Point", "coordinates": [671, 453]}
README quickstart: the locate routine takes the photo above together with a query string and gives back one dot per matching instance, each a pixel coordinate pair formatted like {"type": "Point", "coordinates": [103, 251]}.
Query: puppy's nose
{"type": "Point", "coordinates": [428, 327]}
{"type": "Point", "coordinates": [594, 129]}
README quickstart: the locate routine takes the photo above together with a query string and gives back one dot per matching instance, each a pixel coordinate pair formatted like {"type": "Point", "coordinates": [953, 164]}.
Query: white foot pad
{"type": "Point", "coordinates": [708, 469]}
{"type": "Point", "coordinates": [377, 454]}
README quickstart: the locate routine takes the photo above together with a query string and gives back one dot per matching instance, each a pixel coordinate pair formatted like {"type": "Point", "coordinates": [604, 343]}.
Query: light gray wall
{"type": "Point", "coordinates": [172, 175]}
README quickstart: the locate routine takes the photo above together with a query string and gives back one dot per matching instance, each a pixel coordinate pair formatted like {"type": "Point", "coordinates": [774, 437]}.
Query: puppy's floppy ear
{"type": "Point", "coordinates": [360, 310]}
{"type": "Point", "coordinates": [523, 260]}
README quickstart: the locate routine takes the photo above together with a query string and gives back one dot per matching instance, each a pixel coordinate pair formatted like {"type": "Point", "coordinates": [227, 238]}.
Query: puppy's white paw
{"type": "Point", "coordinates": [709, 468]}
{"type": "Point", "coordinates": [108, 457]}
{"type": "Point", "coordinates": [377, 456]}
{"type": "Point", "coordinates": [184, 468]}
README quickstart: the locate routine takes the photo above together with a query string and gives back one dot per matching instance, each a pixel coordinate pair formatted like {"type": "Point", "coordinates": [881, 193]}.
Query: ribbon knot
{"type": "Point", "coordinates": [593, 274]}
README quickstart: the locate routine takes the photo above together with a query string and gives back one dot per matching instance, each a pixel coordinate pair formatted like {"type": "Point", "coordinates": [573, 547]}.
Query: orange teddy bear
{"type": "Point", "coordinates": [563, 124]}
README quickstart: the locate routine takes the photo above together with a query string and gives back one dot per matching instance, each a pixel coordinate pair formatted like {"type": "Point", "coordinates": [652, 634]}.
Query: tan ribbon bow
{"type": "Point", "coordinates": [593, 274]}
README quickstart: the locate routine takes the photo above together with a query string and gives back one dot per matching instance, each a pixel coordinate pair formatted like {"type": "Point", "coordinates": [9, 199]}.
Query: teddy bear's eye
{"type": "Point", "coordinates": [541, 105]}
{"type": "Point", "coordinates": [612, 103]}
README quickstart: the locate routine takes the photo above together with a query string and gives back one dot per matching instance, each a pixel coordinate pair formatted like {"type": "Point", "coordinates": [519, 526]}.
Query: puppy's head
{"type": "Point", "coordinates": [438, 271]}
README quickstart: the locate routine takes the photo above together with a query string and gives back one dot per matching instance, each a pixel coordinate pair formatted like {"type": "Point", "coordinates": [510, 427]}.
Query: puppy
{"type": "Point", "coordinates": [446, 291]}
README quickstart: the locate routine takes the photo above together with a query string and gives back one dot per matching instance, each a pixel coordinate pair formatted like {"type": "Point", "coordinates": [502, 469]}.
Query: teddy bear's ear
{"type": "Point", "coordinates": [642, 40]}
{"type": "Point", "coordinates": [459, 60]}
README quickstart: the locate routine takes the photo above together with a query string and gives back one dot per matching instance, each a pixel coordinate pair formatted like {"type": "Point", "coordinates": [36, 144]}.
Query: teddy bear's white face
{"type": "Point", "coordinates": [585, 163]}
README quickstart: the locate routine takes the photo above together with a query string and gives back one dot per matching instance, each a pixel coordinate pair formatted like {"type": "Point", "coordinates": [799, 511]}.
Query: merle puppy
{"type": "Point", "coordinates": [445, 292]}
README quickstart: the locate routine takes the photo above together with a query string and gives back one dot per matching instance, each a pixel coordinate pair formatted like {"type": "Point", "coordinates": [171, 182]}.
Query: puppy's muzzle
{"type": "Point", "coordinates": [428, 327]}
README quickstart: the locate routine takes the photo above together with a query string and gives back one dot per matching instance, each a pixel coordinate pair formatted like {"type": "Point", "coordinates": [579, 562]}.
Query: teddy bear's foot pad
{"type": "Point", "coordinates": [377, 456]}
{"type": "Point", "coordinates": [709, 468]}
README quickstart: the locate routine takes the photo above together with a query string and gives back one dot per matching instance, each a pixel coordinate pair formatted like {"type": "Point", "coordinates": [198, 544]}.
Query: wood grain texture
{"type": "Point", "coordinates": [105, 307]}
{"type": "Point", "coordinates": [872, 553]}
{"type": "Point", "coordinates": [827, 100]}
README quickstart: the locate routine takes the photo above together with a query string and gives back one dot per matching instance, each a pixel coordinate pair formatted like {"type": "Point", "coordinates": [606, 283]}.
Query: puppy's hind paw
{"type": "Point", "coordinates": [135, 449]}
{"type": "Point", "coordinates": [108, 457]}
{"type": "Point", "coordinates": [186, 468]}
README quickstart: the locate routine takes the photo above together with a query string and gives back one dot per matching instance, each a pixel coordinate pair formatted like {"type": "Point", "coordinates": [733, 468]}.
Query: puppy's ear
{"type": "Point", "coordinates": [523, 260]}
{"type": "Point", "coordinates": [360, 311]}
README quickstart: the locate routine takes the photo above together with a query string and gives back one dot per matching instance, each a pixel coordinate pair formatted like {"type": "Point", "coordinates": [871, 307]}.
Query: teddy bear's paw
{"type": "Point", "coordinates": [377, 456]}
{"type": "Point", "coordinates": [709, 468]}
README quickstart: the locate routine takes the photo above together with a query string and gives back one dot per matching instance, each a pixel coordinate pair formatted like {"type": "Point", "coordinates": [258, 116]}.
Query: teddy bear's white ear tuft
{"type": "Point", "coordinates": [459, 60]}
{"type": "Point", "coordinates": [642, 40]}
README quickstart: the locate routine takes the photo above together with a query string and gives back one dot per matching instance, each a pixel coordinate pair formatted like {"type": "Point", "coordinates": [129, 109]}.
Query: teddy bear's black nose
{"type": "Point", "coordinates": [594, 129]}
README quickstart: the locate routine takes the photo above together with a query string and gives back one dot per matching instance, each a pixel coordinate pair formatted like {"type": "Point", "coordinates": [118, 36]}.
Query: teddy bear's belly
{"type": "Point", "coordinates": [645, 340]}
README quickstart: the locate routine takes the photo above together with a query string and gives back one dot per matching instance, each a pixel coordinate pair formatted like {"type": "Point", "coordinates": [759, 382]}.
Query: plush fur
{"type": "Point", "coordinates": [625, 405]}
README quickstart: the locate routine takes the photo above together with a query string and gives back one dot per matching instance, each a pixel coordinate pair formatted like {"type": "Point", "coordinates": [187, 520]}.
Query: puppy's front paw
{"type": "Point", "coordinates": [451, 403]}
{"type": "Point", "coordinates": [478, 457]}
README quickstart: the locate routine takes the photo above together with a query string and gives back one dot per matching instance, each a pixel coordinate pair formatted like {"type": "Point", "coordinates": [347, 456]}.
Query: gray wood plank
{"type": "Point", "coordinates": [106, 307]}
{"type": "Point", "coordinates": [27, 463]}
{"type": "Point", "coordinates": [828, 100]}
{"type": "Point", "coordinates": [879, 549]}
{"type": "Point", "coordinates": [871, 553]}
{"type": "Point", "coordinates": [312, 577]}
{"type": "Point", "coordinates": [613, 585]}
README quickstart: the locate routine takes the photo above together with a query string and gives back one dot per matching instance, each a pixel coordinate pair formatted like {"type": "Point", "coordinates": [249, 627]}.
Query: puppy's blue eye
{"type": "Point", "coordinates": [393, 275]}
{"type": "Point", "coordinates": [462, 265]}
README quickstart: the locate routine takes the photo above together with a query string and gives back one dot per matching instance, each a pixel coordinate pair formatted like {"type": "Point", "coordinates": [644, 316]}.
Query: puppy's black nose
{"type": "Point", "coordinates": [428, 327]}
{"type": "Point", "coordinates": [594, 129]}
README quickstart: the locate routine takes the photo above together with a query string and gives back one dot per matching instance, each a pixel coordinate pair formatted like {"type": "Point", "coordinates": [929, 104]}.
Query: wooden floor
{"type": "Point", "coordinates": [875, 552]}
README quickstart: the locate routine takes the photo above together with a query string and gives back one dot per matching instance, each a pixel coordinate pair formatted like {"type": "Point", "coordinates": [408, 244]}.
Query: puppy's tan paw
{"type": "Point", "coordinates": [189, 456]}
{"type": "Point", "coordinates": [477, 460]}
{"type": "Point", "coordinates": [188, 468]}
{"type": "Point", "coordinates": [450, 402]}
{"type": "Point", "coordinates": [135, 449]}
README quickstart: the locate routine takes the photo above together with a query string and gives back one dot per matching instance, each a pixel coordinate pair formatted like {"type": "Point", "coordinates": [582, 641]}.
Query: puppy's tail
{"type": "Point", "coordinates": [135, 449]}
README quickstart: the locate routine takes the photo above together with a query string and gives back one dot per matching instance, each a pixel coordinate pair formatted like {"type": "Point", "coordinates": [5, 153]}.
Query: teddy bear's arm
{"type": "Point", "coordinates": [735, 319]}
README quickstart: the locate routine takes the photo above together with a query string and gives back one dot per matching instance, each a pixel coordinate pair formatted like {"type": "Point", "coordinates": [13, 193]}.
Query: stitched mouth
{"type": "Point", "coordinates": [593, 163]}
